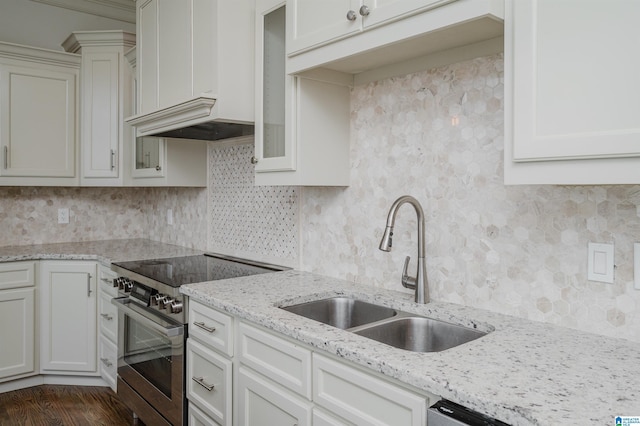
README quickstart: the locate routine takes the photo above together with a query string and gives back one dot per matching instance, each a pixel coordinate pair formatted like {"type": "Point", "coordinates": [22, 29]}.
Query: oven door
{"type": "Point", "coordinates": [151, 360]}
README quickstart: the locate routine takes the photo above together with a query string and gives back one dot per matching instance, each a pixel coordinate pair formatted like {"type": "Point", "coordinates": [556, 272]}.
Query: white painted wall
{"type": "Point", "coordinates": [40, 25]}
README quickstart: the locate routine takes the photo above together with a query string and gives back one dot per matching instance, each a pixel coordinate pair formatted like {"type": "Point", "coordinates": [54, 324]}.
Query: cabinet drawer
{"type": "Point", "coordinates": [209, 383]}
{"type": "Point", "coordinates": [107, 317]}
{"type": "Point", "coordinates": [211, 327]}
{"type": "Point", "coordinates": [108, 356]}
{"type": "Point", "coordinates": [18, 274]}
{"type": "Point", "coordinates": [105, 281]}
{"type": "Point", "coordinates": [363, 399]}
{"type": "Point", "coordinates": [280, 360]}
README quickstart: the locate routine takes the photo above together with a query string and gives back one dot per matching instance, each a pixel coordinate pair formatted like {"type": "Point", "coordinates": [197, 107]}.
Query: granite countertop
{"type": "Point", "coordinates": [522, 372]}
{"type": "Point", "coordinates": [105, 251]}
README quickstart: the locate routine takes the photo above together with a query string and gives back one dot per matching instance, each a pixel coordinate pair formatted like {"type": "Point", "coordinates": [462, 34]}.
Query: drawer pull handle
{"type": "Point", "coordinates": [204, 327]}
{"type": "Point", "coordinates": [106, 316]}
{"type": "Point", "coordinates": [106, 362]}
{"type": "Point", "coordinates": [201, 382]}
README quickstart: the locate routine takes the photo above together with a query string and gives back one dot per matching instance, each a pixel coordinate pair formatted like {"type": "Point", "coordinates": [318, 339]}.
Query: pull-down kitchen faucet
{"type": "Point", "coordinates": [419, 283]}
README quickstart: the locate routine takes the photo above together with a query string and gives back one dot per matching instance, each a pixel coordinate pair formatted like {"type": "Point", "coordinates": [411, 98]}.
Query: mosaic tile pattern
{"type": "Point", "coordinates": [245, 220]}
{"type": "Point", "coordinates": [29, 215]}
{"type": "Point", "coordinates": [189, 208]}
{"type": "Point", "coordinates": [521, 250]}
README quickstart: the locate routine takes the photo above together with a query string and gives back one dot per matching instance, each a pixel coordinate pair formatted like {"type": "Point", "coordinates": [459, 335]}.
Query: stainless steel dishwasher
{"type": "Point", "coordinates": [447, 413]}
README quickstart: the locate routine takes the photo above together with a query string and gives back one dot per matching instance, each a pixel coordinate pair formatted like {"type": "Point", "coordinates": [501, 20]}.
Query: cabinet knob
{"type": "Point", "coordinates": [158, 168]}
{"type": "Point", "coordinates": [351, 15]}
{"type": "Point", "coordinates": [364, 10]}
{"type": "Point", "coordinates": [254, 160]}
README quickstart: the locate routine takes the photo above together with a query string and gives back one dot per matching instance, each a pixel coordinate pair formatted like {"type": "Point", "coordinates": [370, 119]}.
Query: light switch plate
{"type": "Point", "coordinates": [600, 264]}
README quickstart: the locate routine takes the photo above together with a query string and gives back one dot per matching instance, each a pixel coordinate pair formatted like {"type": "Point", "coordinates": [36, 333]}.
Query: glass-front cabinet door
{"type": "Point", "coordinates": [275, 150]}
{"type": "Point", "coordinates": [149, 157]}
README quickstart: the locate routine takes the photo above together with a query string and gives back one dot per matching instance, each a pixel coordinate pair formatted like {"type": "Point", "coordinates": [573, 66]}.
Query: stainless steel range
{"type": "Point", "coordinates": [152, 329]}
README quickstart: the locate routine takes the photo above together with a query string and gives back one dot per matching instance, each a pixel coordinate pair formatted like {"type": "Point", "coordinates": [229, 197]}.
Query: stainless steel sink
{"type": "Point", "coordinates": [386, 325]}
{"type": "Point", "coordinates": [419, 334]}
{"type": "Point", "coordinates": [342, 312]}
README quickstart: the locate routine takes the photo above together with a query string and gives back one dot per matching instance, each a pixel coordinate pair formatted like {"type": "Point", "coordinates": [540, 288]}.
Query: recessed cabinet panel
{"type": "Point", "coordinates": [37, 105]}
{"type": "Point", "coordinates": [17, 335]}
{"type": "Point", "coordinates": [174, 60]}
{"type": "Point", "coordinates": [315, 23]}
{"type": "Point", "coordinates": [100, 129]}
{"type": "Point", "coordinates": [18, 274]}
{"type": "Point", "coordinates": [68, 336]}
{"type": "Point", "coordinates": [385, 11]}
{"type": "Point", "coordinates": [567, 103]}
{"type": "Point", "coordinates": [570, 68]}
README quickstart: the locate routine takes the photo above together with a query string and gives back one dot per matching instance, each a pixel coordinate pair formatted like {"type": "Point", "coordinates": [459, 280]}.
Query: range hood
{"type": "Point", "coordinates": [192, 119]}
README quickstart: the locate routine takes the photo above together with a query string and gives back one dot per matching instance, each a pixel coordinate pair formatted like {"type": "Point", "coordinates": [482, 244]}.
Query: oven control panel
{"type": "Point", "coordinates": [150, 297]}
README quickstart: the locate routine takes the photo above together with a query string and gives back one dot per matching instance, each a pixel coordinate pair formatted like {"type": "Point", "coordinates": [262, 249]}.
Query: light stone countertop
{"type": "Point", "coordinates": [105, 251]}
{"type": "Point", "coordinates": [523, 372]}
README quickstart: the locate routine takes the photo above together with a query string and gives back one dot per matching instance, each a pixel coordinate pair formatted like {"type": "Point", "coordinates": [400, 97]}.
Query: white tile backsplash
{"type": "Point", "coordinates": [436, 135]}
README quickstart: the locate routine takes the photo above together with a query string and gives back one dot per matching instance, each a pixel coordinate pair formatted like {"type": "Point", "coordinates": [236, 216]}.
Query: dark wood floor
{"type": "Point", "coordinates": [54, 405]}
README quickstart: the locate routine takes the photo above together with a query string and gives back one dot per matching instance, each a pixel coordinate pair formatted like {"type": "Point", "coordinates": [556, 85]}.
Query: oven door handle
{"type": "Point", "coordinates": [168, 331]}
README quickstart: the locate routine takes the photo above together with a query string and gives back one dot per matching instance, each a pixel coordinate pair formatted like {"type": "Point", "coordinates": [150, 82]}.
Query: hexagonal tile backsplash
{"type": "Point", "coordinates": [520, 250]}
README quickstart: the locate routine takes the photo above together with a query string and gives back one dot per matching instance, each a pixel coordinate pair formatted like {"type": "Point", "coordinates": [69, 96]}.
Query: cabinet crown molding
{"type": "Point", "coordinates": [39, 55]}
{"type": "Point", "coordinates": [79, 39]}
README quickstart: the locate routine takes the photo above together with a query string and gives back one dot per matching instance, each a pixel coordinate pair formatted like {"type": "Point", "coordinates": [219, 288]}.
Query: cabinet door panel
{"type": "Point", "coordinates": [174, 61]}
{"type": "Point", "coordinates": [384, 11]}
{"type": "Point", "coordinates": [37, 105]}
{"type": "Point", "coordinates": [100, 124]}
{"type": "Point", "coordinates": [147, 51]}
{"type": "Point", "coordinates": [263, 404]}
{"type": "Point", "coordinates": [68, 317]}
{"type": "Point", "coordinates": [567, 105]}
{"type": "Point", "coordinates": [17, 335]}
{"type": "Point", "coordinates": [313, 23]}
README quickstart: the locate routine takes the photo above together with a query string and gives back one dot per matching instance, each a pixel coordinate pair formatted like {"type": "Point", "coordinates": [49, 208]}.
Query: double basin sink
{"type": "Point", "coordinates": [386, 325]}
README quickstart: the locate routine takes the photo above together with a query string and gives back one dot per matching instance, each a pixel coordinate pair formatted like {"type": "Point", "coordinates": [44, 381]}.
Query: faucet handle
{"type": "Point", "coordinates": [407, 281]}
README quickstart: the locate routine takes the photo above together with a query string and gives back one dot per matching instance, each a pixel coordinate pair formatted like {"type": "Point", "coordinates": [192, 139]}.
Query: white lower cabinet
{"type": "Point", "coordinates": [107, 326]}
{"type": "Point", "coordinates": [279, 381]}
{"type": "Point", "coordinates": [362, 398]}
{"type": "Point", "coordinates": [68, 304]}
{"type": "Point", "coordinates": [322, 418]}
{"type": "Point", "coordinates": [17, 313]}
{"type": "Point", "coordinates": [262, 403]}
{"type": "Point", "coordinates": [209, 372]}
{"type": "Point", "coordinates": [209, 382]}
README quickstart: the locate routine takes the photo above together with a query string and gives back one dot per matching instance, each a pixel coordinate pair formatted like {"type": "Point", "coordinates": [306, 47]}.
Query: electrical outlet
{"type": "Point", "coordinates": [63, 216]}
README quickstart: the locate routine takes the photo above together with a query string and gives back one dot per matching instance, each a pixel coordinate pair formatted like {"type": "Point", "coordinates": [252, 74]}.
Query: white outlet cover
{"type": "Point", "coordinates": [600, 263]}
{"type": "Point", "coordinates": [63, 216]}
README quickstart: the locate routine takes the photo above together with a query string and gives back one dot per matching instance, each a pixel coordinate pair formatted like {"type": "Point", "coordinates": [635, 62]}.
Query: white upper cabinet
{"type": "Point", "coordinates": [38, 116]}
{"type": "Point", "coordinates": [105, 94]}
{"type": "Point", "coordinates": [571, 115]}
{"type": "Point", "coordinates": [314, 23]}
{"type": "Point", "coordinates": [195, 63]}
{"type": "Point", "coordinates": [354, 36]}
{"type": "Point", "coordinates": [302, 123]}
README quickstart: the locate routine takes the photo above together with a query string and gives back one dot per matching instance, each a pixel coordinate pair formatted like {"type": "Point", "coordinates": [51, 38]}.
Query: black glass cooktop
{"type": "Point", "coordinates": [175, 271]}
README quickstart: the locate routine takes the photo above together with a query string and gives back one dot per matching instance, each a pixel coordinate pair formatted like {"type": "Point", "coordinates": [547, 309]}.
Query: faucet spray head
{"type": "Point", "coordinates": [386, 242]}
